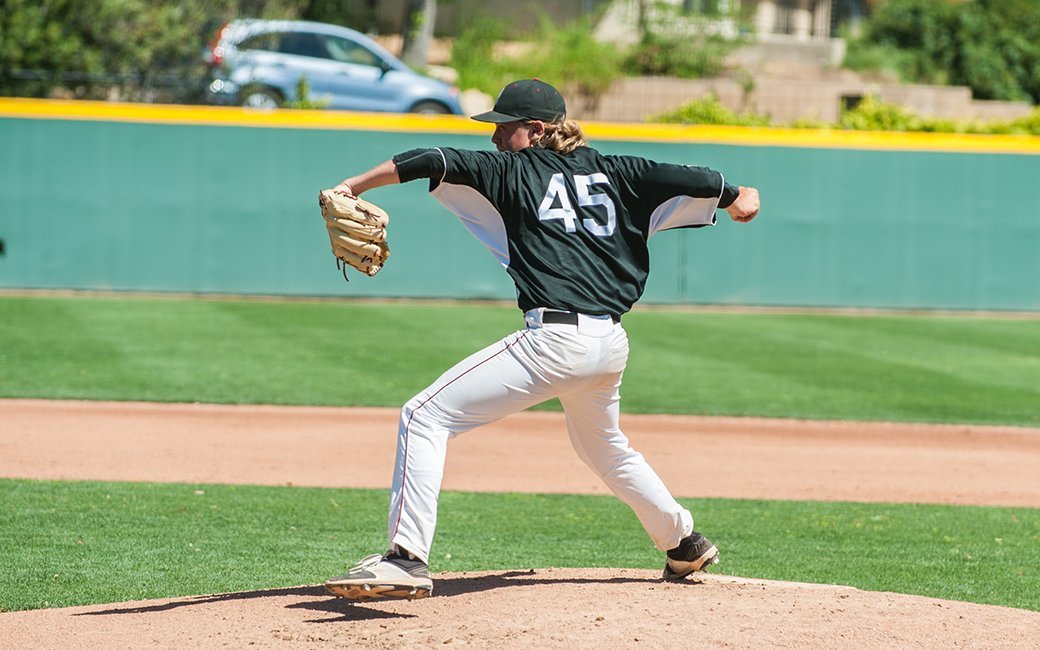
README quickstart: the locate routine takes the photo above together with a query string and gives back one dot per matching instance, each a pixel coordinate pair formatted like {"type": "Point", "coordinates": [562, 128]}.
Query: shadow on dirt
{"type": "Point", "coordinates": [457, 586]}
{"type": "Point", "coordinates": [315, 598]}
{"type": "Point", "coordinates": [315, 590]}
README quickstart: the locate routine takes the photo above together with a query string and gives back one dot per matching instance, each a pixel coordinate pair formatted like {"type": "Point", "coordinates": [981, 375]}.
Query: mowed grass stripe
{"type": "Point", "coordinates": [947, 369]}
{"type": "Point", "coordinates": [76, 543]}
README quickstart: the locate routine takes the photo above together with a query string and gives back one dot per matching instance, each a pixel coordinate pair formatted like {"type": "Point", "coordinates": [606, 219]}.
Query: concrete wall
{"type": "Point", "coordinates": [786, 99]}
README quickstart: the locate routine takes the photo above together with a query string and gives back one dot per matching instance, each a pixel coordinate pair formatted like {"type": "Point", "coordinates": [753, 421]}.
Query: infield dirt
{"type": "Point", "coordinates": [542, 607]}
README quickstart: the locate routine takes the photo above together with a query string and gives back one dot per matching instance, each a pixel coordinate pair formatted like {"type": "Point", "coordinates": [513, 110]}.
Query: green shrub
{"type": "Point", "coordinates": [874, 115]}
{"type": "Point", "coordinates": [568, 57]}
{"type": "Point", "coordinates": [1026, 125]}
{"type": "Point", "coordinates": [576, 59]}
{"type": "Point", "coordinates": [674, 43]}
{"type": "Point", "coordinates": [685, 57]}
{"type": "Point", "coordinates": [710, 110]}
{"type": "Point", "coordinates": [303, 99]}
{"type": "Point", "coordinates": [871, 114]}
{"type": "Point", "coordinates": [472, 56]}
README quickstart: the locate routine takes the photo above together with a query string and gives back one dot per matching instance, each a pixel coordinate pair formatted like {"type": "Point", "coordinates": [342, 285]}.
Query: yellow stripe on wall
{"type": "Point", "coordinates": [231, 116]}
{"type": "Point", "coordinates": [306, 119]}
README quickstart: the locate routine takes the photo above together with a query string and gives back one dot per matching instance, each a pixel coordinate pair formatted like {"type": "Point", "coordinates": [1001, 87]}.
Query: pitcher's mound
{"type": "Point", "coordinates": [539, 608]}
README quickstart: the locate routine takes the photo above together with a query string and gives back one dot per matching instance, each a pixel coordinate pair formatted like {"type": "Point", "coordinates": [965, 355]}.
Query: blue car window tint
{"type": "Point", "coordinates": [303, 45]}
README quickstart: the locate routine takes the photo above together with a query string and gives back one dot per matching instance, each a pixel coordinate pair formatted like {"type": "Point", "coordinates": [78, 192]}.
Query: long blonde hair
{"type": "Point", "coordinates": [561, 137]}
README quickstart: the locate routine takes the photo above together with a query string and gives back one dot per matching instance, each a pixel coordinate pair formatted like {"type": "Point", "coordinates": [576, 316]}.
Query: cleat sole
{"type": "Point", "coordinates": [373, 591]}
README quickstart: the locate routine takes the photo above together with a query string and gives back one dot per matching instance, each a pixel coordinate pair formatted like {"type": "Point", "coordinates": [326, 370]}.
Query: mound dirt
{"type": "Point", "coordinates": [697, 457]}
{"type": "Point", "coordinates": [542, 608]}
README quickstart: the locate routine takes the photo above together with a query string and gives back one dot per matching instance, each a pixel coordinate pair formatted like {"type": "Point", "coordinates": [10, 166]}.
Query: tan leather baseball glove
{"type": "Point", "coordinates": [357, 231]}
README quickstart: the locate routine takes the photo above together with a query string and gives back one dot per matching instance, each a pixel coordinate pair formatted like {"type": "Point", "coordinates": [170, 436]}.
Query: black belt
{"type": "Point", "coordinates": [566, 317]}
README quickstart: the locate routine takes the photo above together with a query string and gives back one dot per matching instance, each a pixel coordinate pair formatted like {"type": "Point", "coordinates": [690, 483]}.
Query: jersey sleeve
{"type": "Point", "coordinates": [675, 196]}
{"type": "Point", "coordinates": [420, 163]}
{"type": "Point", "coordinates": [444, 164]}
{"type": "Point", "coordinates": [474, 168]}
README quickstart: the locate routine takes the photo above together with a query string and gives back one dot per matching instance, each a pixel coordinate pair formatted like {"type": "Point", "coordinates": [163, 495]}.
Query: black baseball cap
{"type": "Point", "coordinates": [526, 99]}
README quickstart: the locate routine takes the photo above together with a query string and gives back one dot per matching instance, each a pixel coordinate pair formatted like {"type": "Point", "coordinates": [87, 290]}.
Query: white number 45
{"type": "Point", "coordinates": [558, 192]}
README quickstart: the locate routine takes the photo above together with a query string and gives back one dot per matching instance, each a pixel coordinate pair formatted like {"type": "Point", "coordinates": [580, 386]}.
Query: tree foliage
{"type": "Point", "coordinates": [356, 14]}
{"type": "Point", "coordinates": [92, 47]}
{"type": "Point", "coordinates": [129, 48]}
{"type": "Point", "coordinates": [991, 46]}
{"type": "Point", "coordinates": [676, 43]}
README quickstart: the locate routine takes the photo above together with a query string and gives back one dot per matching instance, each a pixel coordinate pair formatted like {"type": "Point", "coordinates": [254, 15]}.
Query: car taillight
{"type": "Point", "coordinates": [216, 56]}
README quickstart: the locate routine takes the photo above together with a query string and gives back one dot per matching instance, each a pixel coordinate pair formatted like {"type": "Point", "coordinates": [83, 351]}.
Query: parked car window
{"type": "Point", "coordinates": [346, 51]}
{"type": "Point", "coordinates": [267, 42]}
{"type": "Point", "coordinates": [302, 44]}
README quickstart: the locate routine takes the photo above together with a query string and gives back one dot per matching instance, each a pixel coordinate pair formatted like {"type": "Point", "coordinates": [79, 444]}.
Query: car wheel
{"type": "Point", "coordinates": [430, 108]}
{"type": "Point", "coordinates": [258, 97]}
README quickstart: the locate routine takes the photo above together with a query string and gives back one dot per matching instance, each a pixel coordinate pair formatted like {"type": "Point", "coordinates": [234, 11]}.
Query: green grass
{"type": "Point", "coordinates": [68, 543]}
{"type": "Point", "coordinates": [955, 369]}
{"type": "Point", "coordinates": [73, 543]}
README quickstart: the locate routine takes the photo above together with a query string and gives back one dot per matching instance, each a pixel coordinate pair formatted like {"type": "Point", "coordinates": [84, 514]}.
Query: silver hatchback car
{"type": "Point", "coordinates": [259, 63]}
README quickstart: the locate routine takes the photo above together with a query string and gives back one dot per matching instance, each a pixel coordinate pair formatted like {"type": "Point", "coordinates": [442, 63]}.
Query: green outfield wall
{"type": "Point", "coordinates": [193, 199]}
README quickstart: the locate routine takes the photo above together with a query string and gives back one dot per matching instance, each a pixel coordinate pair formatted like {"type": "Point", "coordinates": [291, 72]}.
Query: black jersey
{"type": "Point", "coordinates": [570, 229]}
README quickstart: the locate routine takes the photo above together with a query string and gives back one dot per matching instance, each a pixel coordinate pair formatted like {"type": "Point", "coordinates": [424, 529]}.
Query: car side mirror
{"type": "Point", "coordinates": [384, 67]}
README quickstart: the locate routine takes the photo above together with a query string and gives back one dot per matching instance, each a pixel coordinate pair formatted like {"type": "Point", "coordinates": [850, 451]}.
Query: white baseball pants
{"type": "Point", "coordinates": [582, 366]}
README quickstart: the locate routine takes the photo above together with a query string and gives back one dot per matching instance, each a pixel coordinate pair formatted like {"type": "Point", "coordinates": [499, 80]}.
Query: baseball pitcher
{"type": "Point", "coordinates": [570, 227]}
